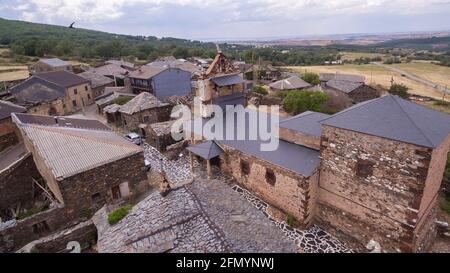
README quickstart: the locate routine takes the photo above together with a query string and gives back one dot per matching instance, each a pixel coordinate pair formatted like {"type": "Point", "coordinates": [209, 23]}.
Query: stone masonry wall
{"type": "Point", "coordinates": [8, 137]}
{"type": "Point", "coordinates": [78, 190]}
{"type": "Point", "coordinates": [154, 115]}
{"type": "Point", "coordinates": [291, 192]}
{"type": "Point", "coordinates": [364, 93]}
{"type": "Point", "coordinates": [372, 188]}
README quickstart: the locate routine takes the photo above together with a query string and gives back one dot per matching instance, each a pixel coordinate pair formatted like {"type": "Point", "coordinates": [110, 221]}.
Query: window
{"type": "Point", "coordinates": [245, 168]}
{"type": "Point", "coordinates": [86, 88]}
{"type": "Point", "coordinates": [270, 177]}
{"type": "Point", "coordinates": [89, 96]}
{"type": "Point", "coordinates": [116, 192]}
{"type": "Point", "coordinates": [364, 168]}
{"type": "Point", "coordinates": [97, 198]}
{"type": "Point", "coordinates": [40, 228]}
{"type": "Point", "coordinates": [75, 91]}
{"type": "Point", "coordinates": [74, 103]}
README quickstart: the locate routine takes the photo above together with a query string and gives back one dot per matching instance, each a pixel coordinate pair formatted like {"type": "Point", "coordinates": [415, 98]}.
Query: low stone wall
{"type": "Point", "coordinates": [84, 233]}
{"type": "Point", "coordinates": [263, 99]}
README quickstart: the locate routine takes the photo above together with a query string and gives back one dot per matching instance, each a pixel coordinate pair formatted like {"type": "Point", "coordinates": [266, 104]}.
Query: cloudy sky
{"type": "Point", "coordinates": [216, 19]}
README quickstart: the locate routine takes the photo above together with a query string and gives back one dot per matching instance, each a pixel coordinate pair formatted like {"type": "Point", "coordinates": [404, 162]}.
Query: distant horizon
{"type": "Point", "coordinates": [223, 20]}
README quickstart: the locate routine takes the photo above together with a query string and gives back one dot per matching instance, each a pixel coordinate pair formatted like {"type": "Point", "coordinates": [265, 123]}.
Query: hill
{"type": "Point", "coordinates": [32, 39]}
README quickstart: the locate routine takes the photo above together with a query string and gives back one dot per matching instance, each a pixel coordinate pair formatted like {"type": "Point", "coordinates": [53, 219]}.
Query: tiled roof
{"type": "Point", "coordinates": [67, 151]}
{"type": "Point", "coordinates": [395, 118]}
{"type": "Point", "coordinates": [306, 123]}
{"type": "Point", "coordinates": [141, 102]}
{"type": "Point", "coordinates": [293, 82]}
{"type": "Point", "coordinates": [55, 62]}
{"type": "Point", "coordinates": [6, 108]}
{"type": "Point", "coordinates": [344, 86]}
{"type": "Point", "coordinates": [62, 78]}
{"type": "Point", "coordinates": [147, 72]}
{"type": "Point", "coordinates": [96, 79]}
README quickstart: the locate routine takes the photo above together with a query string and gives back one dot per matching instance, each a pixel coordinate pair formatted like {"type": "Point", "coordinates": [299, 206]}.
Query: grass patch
{"type": "Point", "coordinates": [122, 100]}
{"type": "Point", "coordinates": [118, 214]}
{"type": "Point", "coordinates": [290, 220]}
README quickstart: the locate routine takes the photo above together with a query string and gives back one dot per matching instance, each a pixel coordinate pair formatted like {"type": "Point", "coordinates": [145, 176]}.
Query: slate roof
{"type": "Point", "coordinates": [183, 65]}
{"type": "Point", "coordinates": [296, 158]}
{"type": "Point", "coordinates": [35, 89]}
{"type": "Point", "coordinates": [227, 80]}
{"type": "Point", "coordinates": [55, 62]}
{"type": "Point", "coordinates": [60, 122]}
{"type": "Point", "coordinates": [307, 123]}
{"type": "Point", "coordinates": [344, 86]}
{"type": "Point", "coordinates": [67, 151]}
{"type": "Point", "coordinates": [293, 82]}
{"type": "Point", "coordinates": [325, 77]}
{"type": "Point", "coordinates": [207, 150]}
{"type": "Point", "coordinates": [62, 78]}
{"type": "Point", "coordinates": [6, 108]}
{"type": "Point", "coordinates": [112, 108]}
{"type": "Point", "coordinates": [111, 70]}
{"type": "Point", "coordinates": [96, 79]}
{"type": "Point", "coordinates": [141, 102]}
{"type": "Point", "coordinates": [147, 72]}
{"type": "Point", "coordinates": [395, 118]}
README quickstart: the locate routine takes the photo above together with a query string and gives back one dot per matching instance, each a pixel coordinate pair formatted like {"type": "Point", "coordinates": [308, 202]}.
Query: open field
{"type": "Point", "coordinates": [12, 73]}
{"type": "Point", "coordinates": [432, 72]}
{"type": "Point", "coordinates": [351, 56]}
{"type": "Point", "coordinates": [377, 75]}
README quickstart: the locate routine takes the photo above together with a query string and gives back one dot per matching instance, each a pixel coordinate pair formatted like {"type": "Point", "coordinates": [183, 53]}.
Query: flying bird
{"type": "Point", "coordinates": [71, 25]}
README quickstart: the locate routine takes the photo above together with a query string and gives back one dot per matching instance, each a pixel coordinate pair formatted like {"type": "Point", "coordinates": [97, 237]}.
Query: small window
{"type": "Point", "coordinates": [245, 168]}
{"type": "Point", "coordinates": [75, 91]}
{"type": "Point", "coordinates": [86, 88]}
{"type": "Point", "coordinates": [74, 103]}
{"type": "Point", "coordinates": [89, 96]}
{"type": "Point", "coordinates": [97, 198]}
{"type": "Point", "coordinates": [41, 228]}
{"type": "Point", "coordinates": [116, 192]}
{"type": "Point", "coordinates": [270, 177]}
{"type": "Point", "coordinates": [364, 168]}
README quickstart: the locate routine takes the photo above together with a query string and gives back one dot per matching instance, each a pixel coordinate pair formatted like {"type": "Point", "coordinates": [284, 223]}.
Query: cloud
{"type": "Point", "coordinates": [202, 17]}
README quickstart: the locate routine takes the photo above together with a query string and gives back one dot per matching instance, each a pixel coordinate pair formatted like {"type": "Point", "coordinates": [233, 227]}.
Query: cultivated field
{"type": "Point", "coordinates": [12, 73]}
{"type": "Point", "coordinates": [377, 75]}
{"type": "Point", "coordinates": [351, 56]}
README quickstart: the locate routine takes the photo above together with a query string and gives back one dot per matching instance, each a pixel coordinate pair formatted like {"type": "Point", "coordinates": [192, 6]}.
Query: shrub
{"type": "Point", "coordinates": [118, 214]}
{"type": "Point", "coordinates": [400, 90]}
{"type": "Point", "coordinates": [311, 78]}
{"type": "Point", "coordinates": [442, 103]}
{"type": "Point", "coordinates": [290, 220]}
{"type": "Point", "coordinates": [122, 100]}
{"type": "Point", "coordinates": [260, 90]}
{"type": "Point", "coordinates": [297, 101]}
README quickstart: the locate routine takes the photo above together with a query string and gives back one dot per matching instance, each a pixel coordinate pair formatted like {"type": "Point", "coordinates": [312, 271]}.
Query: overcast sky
{"type": "Point", "coordinates": [210, 19]}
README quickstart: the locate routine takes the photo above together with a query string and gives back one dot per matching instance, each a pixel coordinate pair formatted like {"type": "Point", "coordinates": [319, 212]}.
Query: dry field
{"type": "Point", "coordinates": [378, 75]}
{"type": "Point", "coordinates": [12, 73]}
{"type": "Point", "coordinates": [351, 56]}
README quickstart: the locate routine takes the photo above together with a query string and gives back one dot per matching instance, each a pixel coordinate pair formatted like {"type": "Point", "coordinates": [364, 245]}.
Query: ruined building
{"type": "Point", "coordinates": [371, 172]}
{"type": "Point", "coordinates": [220, 85]}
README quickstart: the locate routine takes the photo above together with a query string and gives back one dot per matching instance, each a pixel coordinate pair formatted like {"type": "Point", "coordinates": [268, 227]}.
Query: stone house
{"type": "Point", "coordinates": [113, 71]}
{"type": "Point", "coordinates": [370, 172]}
{"type": "Point", "coordinates": [144, 109]}
{"type": "Point", "coordinates": [291, 83]}
{"type": "Point", "coordinates": [220, 85]}
{"type": "Point", "coordinates": [84, 165]}
{"type": "Point", "coordinates": [49, 65]}
{"type": "Point", "coordinates": [98, 82]}
{"type": "Point", "coordinates": [159, 135]}
{"type": "Point", "coordinates": [161, 81]}
{"type": "Point", "coordinates": [348, 92]}
{"type": "Point", "coordinates": [53, 93]}
{"type": "Point", "coordinates": [8, 134]}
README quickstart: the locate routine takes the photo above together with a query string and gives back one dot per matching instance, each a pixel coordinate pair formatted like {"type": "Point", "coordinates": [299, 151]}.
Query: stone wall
{"type": "Point", "coordinates": [8, 137]}
{"type": "Point", "coordinates": [16, 185]}
{"type": "Point", "coordinates": [290, 192]}
{"type": "Point", "coordinates": [372, 188]}
{"type": "Point", "coordinates": [86, 192]}
{"type": "Point", "coordinates": [364, 93]}
{"type": "Point", "coordinates": [149, 116]}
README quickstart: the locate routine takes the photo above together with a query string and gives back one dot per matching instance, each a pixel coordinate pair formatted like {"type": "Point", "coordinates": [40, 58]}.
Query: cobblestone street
{"type": "Point", "coordinates": [201, 215]}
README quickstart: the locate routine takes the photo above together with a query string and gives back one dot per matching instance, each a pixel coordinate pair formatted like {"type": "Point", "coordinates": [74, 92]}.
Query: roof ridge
{"type": "Point", "coordinates": [353, 108]}
{"type": "Point", "coordinates": [412, 121]}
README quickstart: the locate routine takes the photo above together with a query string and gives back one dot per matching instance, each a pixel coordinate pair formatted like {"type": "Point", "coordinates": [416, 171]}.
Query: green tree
{"type": "Point", "coordinates": [299, 101]}
{"type": "Point", "coordinates": [311, 78]}
{"type": "Point", "coordinates": [399, 89]}
{"type": "Point", "coordinates": [260, 90]}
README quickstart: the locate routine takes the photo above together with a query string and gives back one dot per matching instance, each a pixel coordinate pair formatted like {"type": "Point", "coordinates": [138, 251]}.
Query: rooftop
{"type": "Point", "coordinates": [227, 80]}
{"type": "Point", "coordinates": [35, 89]}
{"type": "Point", "coordinates": [307, 123]}
{"type": "Point", "coordinates": [325, 77]}
{"type": "Point", "coordinates": [344, 86]}
{"type": "Point", "coordinates": [395, 118]}
{"type": "Point", "coordinates": [141, 102]}
{"type": "Point", "coordinates": [51, 121]}
{"type": "Point", "coordinates": [146, 72]}
{"type": "Point", "coordinates": [6, 108]}
{"type": "Point", "coordinates": [71, 149]}
{"type": "Point", "coordinates": [293, 82]}
{"type": "Point", "coordinates": [96, 79]}
{"type": "Point", "coordinates": [55, 62]}
{"type": "Point", "coordinates": [62, 78]}
{"type": "Point", "coordinates": [111, 70]}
